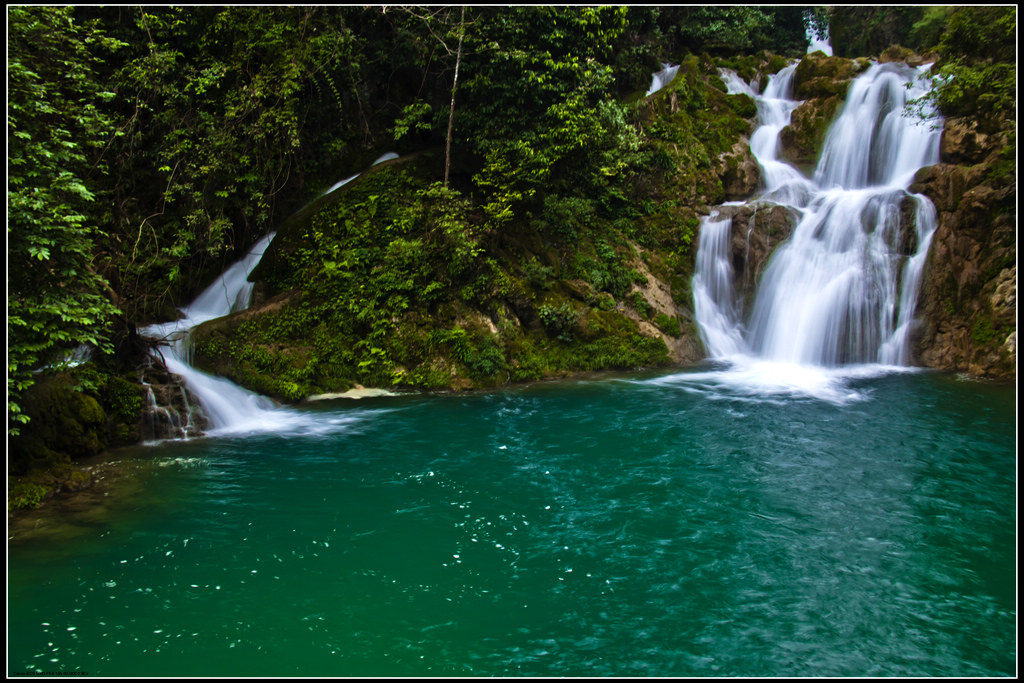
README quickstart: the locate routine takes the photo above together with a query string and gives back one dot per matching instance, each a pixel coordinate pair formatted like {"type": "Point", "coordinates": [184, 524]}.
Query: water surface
{"type": "Point", "coordinates": [643, 525]}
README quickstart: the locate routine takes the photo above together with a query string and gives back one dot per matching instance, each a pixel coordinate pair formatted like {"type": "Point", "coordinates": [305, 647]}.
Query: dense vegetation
{"type": "Point", "coordinates": [151, 146]}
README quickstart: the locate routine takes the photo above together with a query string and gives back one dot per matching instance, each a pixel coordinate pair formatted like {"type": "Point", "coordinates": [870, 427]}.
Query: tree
{"type": "Point", "coordinates": [57, 131]}
{"type": "Point", "coordinates": [451, 110]}
{"type": "Point", "coordinates": [443, 30]}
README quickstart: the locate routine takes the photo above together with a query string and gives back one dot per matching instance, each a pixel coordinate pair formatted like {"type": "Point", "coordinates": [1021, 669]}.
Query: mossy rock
{"type": "Point", "coordinates": [819, 75]}
{"type": "Point", "coordinates": [63, 423]}
{"type": "Point", "coordinates": [26, 495]}
{"type": "Point", "coordinates": [803, 138]}
{"type": "Point", "coordinates": [30, 490]}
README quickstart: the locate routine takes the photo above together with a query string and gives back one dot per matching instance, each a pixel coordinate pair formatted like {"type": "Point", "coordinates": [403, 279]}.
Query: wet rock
{"type": "Point", "coordinates": [968, 293]}
{"type": "Point", "coordinates": [742, 174]}
{"type": "Point", "coordinates": [801, 141]}
{"type": "Point", "coordinates": [819, 75]}
{"type": "Point", "coordinates": [170, 410]}
{"type": "Point", "coordinates": [945, 184]}
{"type": "Point", "coordinates": [757, 229]}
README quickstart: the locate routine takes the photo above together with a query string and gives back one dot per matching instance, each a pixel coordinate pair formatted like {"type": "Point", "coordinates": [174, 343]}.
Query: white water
{"type": "Point", "coordinates": [381, 159]}
{"type": "Point", "coordinates": [229, 407]}
{"type": "Point", "coordinates": [816, 44]}
{"type": "Point", "coordinates": [838, 298]}
{"type": "Point", "coordinates": [662, 78]}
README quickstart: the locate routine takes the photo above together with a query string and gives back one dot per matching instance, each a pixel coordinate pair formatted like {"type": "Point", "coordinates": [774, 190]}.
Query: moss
{"type": "Point", "coordinates": [640, 304]}
{"type": "Point", "coordinates": [31, 489]}
{"type": "Point", "coordinates": [743, 105]}
{"type": "Point", "coordinates": [65, 422]}
{"type": "Point", "coordinates": [27, 495]}
{"type": "Point", "coordinates": [400, 282]}
{"type": "Point", "coordinates": [668, 324]}
{"type": "Point", "coordinates": [985, 333]}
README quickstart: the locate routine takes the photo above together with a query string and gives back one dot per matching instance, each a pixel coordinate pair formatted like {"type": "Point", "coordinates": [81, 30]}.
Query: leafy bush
{"type": "Point", "coordinates": [668, 324]}
{"type": "Point", "coordinates": [559, 321]}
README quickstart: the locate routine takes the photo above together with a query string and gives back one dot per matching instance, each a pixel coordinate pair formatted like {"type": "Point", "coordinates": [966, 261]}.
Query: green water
{"type": "Point", "coordinates": [620, 526]}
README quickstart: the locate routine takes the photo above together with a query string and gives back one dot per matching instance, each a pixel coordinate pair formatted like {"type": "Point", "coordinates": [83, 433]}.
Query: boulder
{"type": "Point", "coordinates": [801, 141]}
{"type": "Point", "coordinates": [742, 174]}
{"type": "Point", "coordinates": [819, 75]}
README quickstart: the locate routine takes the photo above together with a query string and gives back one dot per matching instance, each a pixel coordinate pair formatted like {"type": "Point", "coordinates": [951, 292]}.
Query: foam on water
{"type": "Point", "coordinates": [757, 380]}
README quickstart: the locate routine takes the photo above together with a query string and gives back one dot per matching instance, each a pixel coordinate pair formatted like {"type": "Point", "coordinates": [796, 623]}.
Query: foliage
{"type": "Point", "coordinates": [218, 120]}
{"type": "Point", "coordinates": [928, 30]}
{"type": "Point", "coordinates": [978, 73]}
{"type": "Point", "coordinates": [559, 321]}
{"type": "Point", "coordinates": [860, 31]}
{"type": "Point", "coordinates": [149, 146]}
{"type": "Point", "coordinates": [668, 325]}
{"type": "Point", "coordinates": [715, 27]}
{"type": "Point", "coordinates": [58, 127]}
{"type": "Point", "coordinates": [26, 495]}
{"type": "Point", "coordinates": [388, 253]}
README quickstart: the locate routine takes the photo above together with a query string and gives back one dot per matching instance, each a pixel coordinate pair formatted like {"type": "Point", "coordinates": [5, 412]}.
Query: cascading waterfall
{"type": "Point", "coordinates": [841, 292]}
{"type": "Point", "coordinates": [227, 406]}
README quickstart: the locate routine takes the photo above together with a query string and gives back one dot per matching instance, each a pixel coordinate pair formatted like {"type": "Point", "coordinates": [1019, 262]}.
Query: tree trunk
{"type": "Point", "coordinates": [451, 109]}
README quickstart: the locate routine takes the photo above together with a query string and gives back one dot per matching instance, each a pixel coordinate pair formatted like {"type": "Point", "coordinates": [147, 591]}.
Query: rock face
{"type": "Point", "coordinates": [756, 230]}
{"type": "Point", "coordinates": [801, 141]}
{"type": "Point", "coordinates": [740, 172]}
{"type": "Point", "coordinates": [968, 296]}
{"type": "Point", "coordinates": [821, 76]}
{"type": "Point", "coordinates": [821, 82]}
{"type": "Point", "coordinates": [170, 411]}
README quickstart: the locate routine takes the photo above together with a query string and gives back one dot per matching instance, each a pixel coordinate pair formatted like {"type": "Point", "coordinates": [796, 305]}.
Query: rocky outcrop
{"type": "Point", "coordinates": [801, 141]}
{"type": "Point", "coordinates": [663, 317]}
{"type": "Point", "coordinates": [757, 229]}
{"type": "Point", "coordinates": [739, 171]}
{"type": "Point", "coordinates": [821, 82]}
{"type": "Point", "coordinates": [169, 409]}
{"type": "Point", "coordinates": [968, 296]}
{"type": "Point", "coordinates": [821, 76]}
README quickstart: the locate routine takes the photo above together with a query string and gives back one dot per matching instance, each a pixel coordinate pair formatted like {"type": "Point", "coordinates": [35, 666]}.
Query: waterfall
{"type": "Point", "coordinates": [814, 43]}
{"type": "Point", "coordinates": [714, 296]}
{"type": "Point", "coordinates": [841, 291]}
{"type": "Point", "coordinates": [226, 406]}
{"type": "Point", "coordinates": [661, 78]}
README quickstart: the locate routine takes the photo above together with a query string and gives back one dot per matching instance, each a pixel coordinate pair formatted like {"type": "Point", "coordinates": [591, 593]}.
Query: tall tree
{"type": "Point", "coordinates": [451, 109]}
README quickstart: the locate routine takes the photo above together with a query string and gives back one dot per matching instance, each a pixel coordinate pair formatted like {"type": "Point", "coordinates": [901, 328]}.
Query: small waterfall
{"type": "Point", "coordinates": [714, 296]}
{"type": "Point", "coordinates": [842, 290]}
{"type": "Point", "coordinates": [662, 78]}
{"type": "Point", "coordinates": [225, 407]}
{"type": "Point", "coordinates": [816, 44]}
